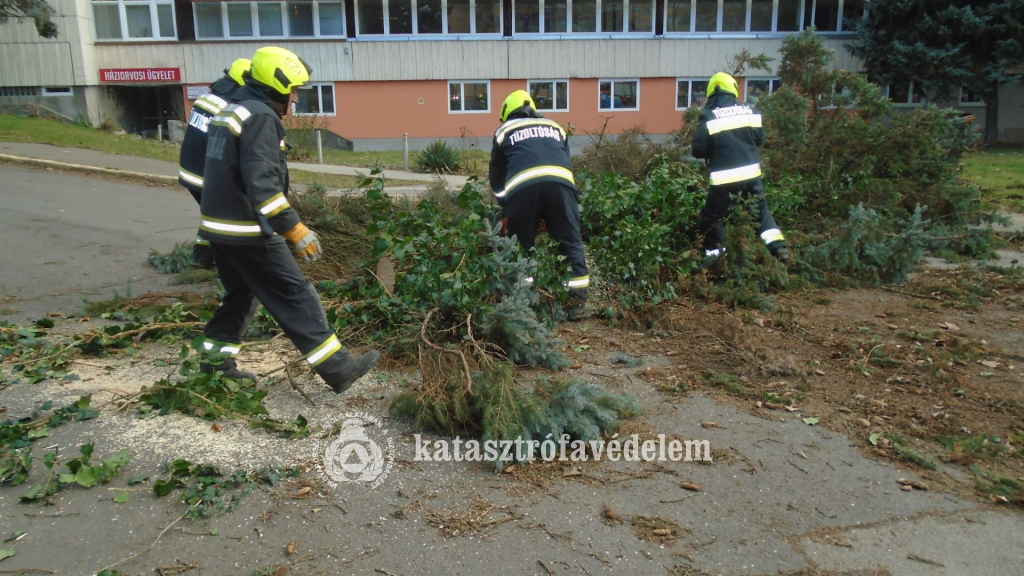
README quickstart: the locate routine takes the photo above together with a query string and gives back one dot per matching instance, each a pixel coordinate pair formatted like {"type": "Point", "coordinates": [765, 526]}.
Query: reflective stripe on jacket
{"type": "Point", "coordinates": [192, 160]}
{"type": "Point", "coordinates": [729, 134]}
{"type": "Point", "coordinates": [527, 150]}
{"type": "Point", "coordinates": [245, 195]}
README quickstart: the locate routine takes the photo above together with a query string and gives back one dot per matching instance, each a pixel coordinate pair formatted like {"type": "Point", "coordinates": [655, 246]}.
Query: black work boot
{"type": "Point", "coordinates": [576, 310]}
{"type": "Point", "coordinates": [202, 257]}
{"type": "Point", "coordinates": [780, 251]}
{"type": "Point", "coordinates": [342, 369]}
{"type": "Point", "coordinates": [230, 369]}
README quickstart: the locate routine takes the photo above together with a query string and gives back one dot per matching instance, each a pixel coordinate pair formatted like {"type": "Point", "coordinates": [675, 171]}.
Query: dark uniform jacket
{"type": "Point", "coordinates": [193, 147]}
{"type": "Point", "coordinates": [528, 149]}
{"type": "Point", "coordinates": [729, 134]}
{"type": "Point", "coordinates": [246, 176]}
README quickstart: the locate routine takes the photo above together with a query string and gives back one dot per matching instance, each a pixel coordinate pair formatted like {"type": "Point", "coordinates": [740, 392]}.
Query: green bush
{"type": "Point", "coordinates": [439, 158]}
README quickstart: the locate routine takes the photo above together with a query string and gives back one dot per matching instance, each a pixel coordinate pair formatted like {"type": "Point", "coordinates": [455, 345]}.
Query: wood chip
{"type": "Point", "coordinates": [907, 488]}
{"type": "Point", "coordinates": [863, 422]}
{"type": "Point", "coordinates": [708, 425]}
{"type": "Point", "coordinates": [302, 492]}
{"type": "Point", "coordinates": [292, 548]}
{"type": "Point", "coordinates": [690, 486]}
{"type": "Point", "coordinates": [662, 532]}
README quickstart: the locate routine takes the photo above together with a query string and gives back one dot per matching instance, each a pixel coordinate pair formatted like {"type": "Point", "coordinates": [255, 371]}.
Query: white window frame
{"type": "Point", "coordinates": [320, 100]}
{"type": "Point", "coordinates": [254, 14]}
{"type": "Point", "coordinates": [444, 24]}
{"type": "Point", "coordinates": [772, 80]}
{"type": "Point", "coordinates": [18, 91]}
{"type": "Point", "coordinates": [554, 90]}
{"type": "Point", "coordinates": [972, 104]}
{"type": "Point", "coordinates": [597, 23]}
{"type": "Point", "coordinates": [801, 12]}
{"type": "Point", "coordinates": [58, 91]}
{"type": "Point", "coordinates": [462, 96]}
{"type": "Point", "coordinates": [910, 95]}
{"type": "Point", "coordinates": [689, 90]}
{"type": "Point", "coordinates": [614, 81]}
{"type": "Point", "coordinates": [153, 17]}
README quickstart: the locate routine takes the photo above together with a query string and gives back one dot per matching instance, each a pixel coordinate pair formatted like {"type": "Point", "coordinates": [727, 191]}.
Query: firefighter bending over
{"type": "Point", "coordinates": [193, 147]}
{"type": "Point", "coordinates": [531, 174]}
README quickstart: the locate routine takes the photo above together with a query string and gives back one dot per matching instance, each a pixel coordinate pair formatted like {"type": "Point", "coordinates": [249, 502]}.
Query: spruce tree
{"type": "Point", "coordinates": [942, 45]}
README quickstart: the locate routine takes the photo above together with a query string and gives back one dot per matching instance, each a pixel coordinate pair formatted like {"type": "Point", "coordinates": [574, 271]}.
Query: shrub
{"type": "Point", "coordinates": [178, 260]}
{"type": "Point", "coordinates": [439, 158]}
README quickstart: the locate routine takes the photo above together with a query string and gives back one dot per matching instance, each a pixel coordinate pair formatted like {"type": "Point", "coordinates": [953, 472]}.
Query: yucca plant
{"type": "Point", "coordinates": [439, 157]}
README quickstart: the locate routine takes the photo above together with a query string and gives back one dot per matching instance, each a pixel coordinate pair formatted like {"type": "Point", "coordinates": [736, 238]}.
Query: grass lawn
{"type": "Point", "coordinates": [56, 133]}
{"type": "Point", "coordinates": [999, 171]}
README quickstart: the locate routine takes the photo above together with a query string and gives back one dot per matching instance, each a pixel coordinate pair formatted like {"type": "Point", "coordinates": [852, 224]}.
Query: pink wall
{"type": "Point", "coordinates": [367, 110]}
{"type": "Point", "coordinates": [388, 109]}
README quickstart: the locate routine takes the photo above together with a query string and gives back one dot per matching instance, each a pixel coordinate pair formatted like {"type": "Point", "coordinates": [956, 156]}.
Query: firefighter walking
{"type": "Point", "coordinates": [729, 135]}
{"type": "Point", "coordinates": [246, 217]}
{"type": "Point", "coordinates": [192, 160]}
{"type": "Point", "coordinates": [531, 175]}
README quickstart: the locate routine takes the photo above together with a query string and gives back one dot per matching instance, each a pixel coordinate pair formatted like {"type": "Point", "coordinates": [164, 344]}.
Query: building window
{"type": "Point", "coordinates": [758, 87]}
{"type": "Point", "coordinates": [550, 95]}
{"type": "Point", "coordinates": [314, 99]}
{"type": "Point", "coordinates": [583, 16]}
{"type": "Point", "coordinates": [905, 94]}
{"type": "Point", "coordinates": [17, 91]}
{"type": "Point", "coordinates": [58, 91]}
{"type": "Point", "coordinates": [970, 97]}
{"type": "Point", "coordinates": [701, 16]}
{"type": "Point", "coordinates": [618, 95]}
{"type": "Point", "coordinates": [430, 17]}
{"type": "Point", "coordinates": [134, 20]}
{"type": "Point", "coordinates": [691, 92]}
{"type": "Point", "coordinates": [269, 19]}
{"type": "Point", "coordinates": [469, 96]}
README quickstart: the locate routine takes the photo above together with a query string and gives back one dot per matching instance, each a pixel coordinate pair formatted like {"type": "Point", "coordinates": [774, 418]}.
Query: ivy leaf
{"type": "Point", "coordinates": [122, 497]}
{"type": "Point", "coordinates": [812, 421]}
{"type": "Point", "coordinates": [874, 438]}
{"type": "Point", "coordinates": [16, 535]}
{"type": "Point", "coordinates": [137, 480]}
{"type": "Point", "coordinates": [7, 553]}
{"type": "Point", "coordinates": [87, 476]}
{"type": "Point", "coordinates": [164, 487]}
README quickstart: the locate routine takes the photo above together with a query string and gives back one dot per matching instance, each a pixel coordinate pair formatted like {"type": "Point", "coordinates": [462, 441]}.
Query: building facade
{"type": "Point", "coordinates": [426, 68]}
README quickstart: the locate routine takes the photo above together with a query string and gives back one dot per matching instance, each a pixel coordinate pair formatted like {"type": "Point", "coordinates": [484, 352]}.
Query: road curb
{"type": "Point", "coordinates": [154, 178]}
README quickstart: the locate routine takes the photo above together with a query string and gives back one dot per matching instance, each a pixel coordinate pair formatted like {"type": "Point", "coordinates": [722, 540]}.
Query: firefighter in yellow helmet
{"type": "Point", "coordinates": [729, 135]}
{"type": "Point", "coordinates": [247, 218]}
{"type": "Point", "coordinates": [193, 147]}
{"type": "Point", "coordinates": [531, 175]}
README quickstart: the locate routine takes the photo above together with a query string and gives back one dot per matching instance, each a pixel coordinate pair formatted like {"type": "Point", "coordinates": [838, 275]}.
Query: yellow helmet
{"type": "Point", "coordinates": [280, 69]}
{"type": "Point", "coordinates": [238, 69]}
{"type": "Point", "coordinates": [725, 82]}
{"type": "Point", "coordinates": [515, 100]}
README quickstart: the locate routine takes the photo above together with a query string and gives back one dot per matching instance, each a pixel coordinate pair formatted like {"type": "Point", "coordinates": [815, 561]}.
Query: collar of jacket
{"type": "Point", "coordinates": [253, 90]}
{"type": "Point", "coordinates": [524, 112]}
{"type": "Point", "coordinates": [720, 99]}
{"type": "Point", "coordinates": [224, 87]}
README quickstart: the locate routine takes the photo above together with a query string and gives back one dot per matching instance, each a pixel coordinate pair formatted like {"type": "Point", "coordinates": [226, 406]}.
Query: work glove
{"type": "Point", "coordinates": [307, 245]}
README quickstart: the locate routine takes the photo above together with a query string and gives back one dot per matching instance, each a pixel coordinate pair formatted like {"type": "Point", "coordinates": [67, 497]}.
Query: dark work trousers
{"type": "Point", "coordinates": [269, 272]}
{"type": "Point", "coordinates": [716, 210]}
{"type": "Point", "coordinates": [201, 251]}
{"type": "Point", "coordinates": [559, 206]}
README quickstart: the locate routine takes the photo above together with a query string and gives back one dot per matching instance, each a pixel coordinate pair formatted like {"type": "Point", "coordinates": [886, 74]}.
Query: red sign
{"type": "Point", "coordinates": [140, 75]}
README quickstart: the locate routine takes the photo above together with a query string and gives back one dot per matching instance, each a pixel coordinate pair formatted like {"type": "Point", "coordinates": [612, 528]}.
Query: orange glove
{"type": "Point", "coordinates": [306, 243]}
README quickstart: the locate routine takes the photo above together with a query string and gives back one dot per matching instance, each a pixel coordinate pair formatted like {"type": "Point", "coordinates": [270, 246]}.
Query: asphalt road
{"type": "Point", "coordinates": [65, 238]}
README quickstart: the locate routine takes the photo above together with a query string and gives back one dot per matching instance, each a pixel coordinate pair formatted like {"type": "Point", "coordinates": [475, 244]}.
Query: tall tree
{"type": "Point", "coordinates": [38, 10]}
{"type": "Point", "coordinates": [942, 45]}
